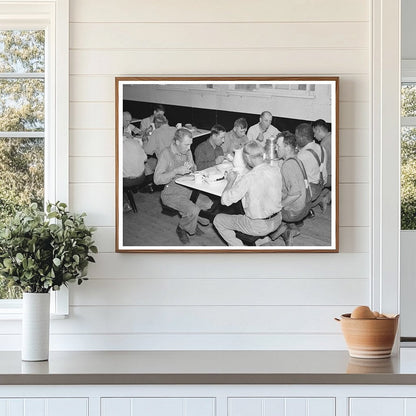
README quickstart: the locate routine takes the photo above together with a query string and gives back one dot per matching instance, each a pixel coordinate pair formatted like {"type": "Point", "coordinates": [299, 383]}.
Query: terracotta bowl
{"type": "Point", "coordinates": [369, 338]}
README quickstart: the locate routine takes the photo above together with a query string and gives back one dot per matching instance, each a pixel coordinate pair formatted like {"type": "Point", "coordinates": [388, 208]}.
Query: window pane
{"type": "Point", "coordinates": [22, 104]}
{"type": "Point", "coordinates": [282, 86]}
{"type": "Point", "coordinates": [21, 173]}
{"type": "Point", "coordinates": [7, 292]}
{"type": "Point", "coordinates": [22, 51]}
{"type": "Point", "coordinates": [408, 178]}
{"type": "Point", "coordinates": [245, 87]}
{"type": "Point", "coordinates": [21, 182]}
{"type": "Point", "coordinates": [408, 100]}
{"type": "Point", "coordinates": [22, 54]}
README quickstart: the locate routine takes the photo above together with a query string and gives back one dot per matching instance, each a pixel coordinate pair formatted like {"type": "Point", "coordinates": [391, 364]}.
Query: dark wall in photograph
{"type": "Point", "coordinates": [205, 118]}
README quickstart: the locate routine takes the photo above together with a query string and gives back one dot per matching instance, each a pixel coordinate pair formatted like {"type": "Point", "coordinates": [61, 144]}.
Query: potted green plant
{"type": "Point", "coordinates": [40, 252]}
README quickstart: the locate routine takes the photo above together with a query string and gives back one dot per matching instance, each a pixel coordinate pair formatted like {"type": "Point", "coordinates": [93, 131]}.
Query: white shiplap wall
{"type": "Point", "coordinates": [215, 301]}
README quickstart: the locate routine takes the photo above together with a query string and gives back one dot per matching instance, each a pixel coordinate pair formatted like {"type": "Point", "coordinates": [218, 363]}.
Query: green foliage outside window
{"type": "Point", "coordinates": [21, 110]}
{"type": "Point", "coordinates": [408, 105]}
{"type": "Point", "coordinates": [408, 160]}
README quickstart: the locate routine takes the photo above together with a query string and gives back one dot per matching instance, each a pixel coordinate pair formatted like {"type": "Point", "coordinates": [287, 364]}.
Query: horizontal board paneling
{"type": "Point", "coordinates": [354, 239]}
{"type": "Point", "coordinates": [351, 239]}
{"type": "Point", "coordinates": [354, 200]}
{"type": "Point", "coordinates": [323, 37]}
{"type": "Point", "coordinates": [221, 291]}
{"type": "Point", "coordinates": [91, 88]}
{"type": "Point", "coordinates": [94, 143]}
{"type": "Point", "coordinates": [351, 115]}
{"type": "Point", "coordinates": [293, 265]}
{"type": "Point", "coordinates": [96, 199]}
{"type": "Point", "coordinates": [200, 319]}
{"type": "Point", "coordinates": [92, 115]}
{"type": "Point", "coordinates": [148, 342]}
{"type": "Point", "coordinates": [213, 320]}
{"type": "Point", "coordinates": [101, 88]}
{"type": "Point", "coordinates": [354, 115]}
{"type": "Point", "coordinates": [354, 170]}
{"type": "Point", "coordinates": [220, 62]}
{"type": "Point", "coordinates": [218, 11]}
{"type": "Point", "coordinates": [221, 35]}
{"type": "Point", "coordinates": [354, 87]}
{"type": "Point", "coordinates": [354, 142]}
{"type": "Point", "coordinates": [104, 238]}
{"type": "Point", "coordinates": [92, 169]}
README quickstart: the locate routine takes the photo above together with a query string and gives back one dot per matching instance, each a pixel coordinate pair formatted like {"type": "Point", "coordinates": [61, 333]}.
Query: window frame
{"type": "Point", "coordinates": [53, 17]}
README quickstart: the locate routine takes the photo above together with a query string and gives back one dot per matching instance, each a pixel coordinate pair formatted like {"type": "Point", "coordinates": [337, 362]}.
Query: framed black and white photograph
{"type": "Point", "coordinates": [235, 164]}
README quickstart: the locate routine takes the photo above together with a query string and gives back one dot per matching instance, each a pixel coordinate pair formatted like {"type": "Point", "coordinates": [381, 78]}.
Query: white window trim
{"type": "Point", "coordinates": [23, 14]}
{"type": "Point", "coordinates": [385, 96]}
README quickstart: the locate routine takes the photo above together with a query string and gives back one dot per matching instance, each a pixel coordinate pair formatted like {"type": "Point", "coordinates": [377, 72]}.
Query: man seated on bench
{"type": "Point", "coordinates": [313, 157]}
{"type": "Point", "coordinates": [134, 162]}
{"type": "Point", "coordinates": [260, 193]}
{"type": "Point", "coordinates": [209, 153]}
{"type": "Point", "coordinates": [128, 128]}
{"type": "Point", "coordinates": [296, 194]}
{"type": "Point", "coordinates": [174, 161]}
{"type": "Point", "coordinates": [153, 145]}
{"type": "Point", "coordinates": [235, 138]}
{"type": "Point", "coordinates": [147, 125]}
{"type": "Point", "coordinates": [322, 133]}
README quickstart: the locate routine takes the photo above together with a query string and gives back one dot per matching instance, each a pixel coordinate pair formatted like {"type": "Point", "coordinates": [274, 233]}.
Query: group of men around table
{"type": "Point", "coordinates": [275, 197]}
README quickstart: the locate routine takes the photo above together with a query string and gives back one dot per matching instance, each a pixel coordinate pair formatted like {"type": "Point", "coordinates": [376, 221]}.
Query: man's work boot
{"type": "Point", "coordinates": [183, 236]}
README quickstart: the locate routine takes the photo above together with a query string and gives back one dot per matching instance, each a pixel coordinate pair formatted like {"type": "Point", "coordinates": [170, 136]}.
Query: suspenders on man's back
{"type": "Point", "coordinates": [320, 164]}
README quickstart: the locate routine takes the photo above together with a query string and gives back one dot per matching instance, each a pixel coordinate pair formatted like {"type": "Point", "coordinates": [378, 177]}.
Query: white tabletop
{"type": "Point", "coordinates": [213, 181]}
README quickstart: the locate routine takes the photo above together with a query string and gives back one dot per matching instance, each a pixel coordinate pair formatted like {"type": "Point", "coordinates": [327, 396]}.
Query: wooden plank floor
{"type": "Point", "coordinates": [149, 227]}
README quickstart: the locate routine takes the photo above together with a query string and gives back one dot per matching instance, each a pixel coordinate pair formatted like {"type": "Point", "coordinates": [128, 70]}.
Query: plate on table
{"type": "Point", "coordinates": [214, 176]}
{"type": "Point", "coordinates": [224, 167]}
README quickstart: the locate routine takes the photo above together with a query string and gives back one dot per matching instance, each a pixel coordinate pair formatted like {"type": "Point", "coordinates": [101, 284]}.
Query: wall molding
{"type": "Point", "coordinates": [385, 99]}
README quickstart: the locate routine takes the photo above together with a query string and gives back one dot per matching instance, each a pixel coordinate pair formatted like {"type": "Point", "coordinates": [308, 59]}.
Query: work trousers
{"type": "Point", "coordinates": [178, 197]}
{"type": "Point", "coordinates": [227, 225]}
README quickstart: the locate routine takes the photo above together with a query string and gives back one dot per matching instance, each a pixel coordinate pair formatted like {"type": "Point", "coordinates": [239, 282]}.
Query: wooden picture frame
{"type": "Point", "coordinates": [144, 220]}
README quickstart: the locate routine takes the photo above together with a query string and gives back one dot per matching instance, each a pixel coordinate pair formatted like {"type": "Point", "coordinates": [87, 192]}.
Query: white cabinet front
{"type": "Point", "coordinates": [160, 406]}
{"type": "Point", "coordinates": [382, 406]}
{"type": "Point", "coordinates": [271, 406]}
{"type": "Point", "coordinates": [44, 407]}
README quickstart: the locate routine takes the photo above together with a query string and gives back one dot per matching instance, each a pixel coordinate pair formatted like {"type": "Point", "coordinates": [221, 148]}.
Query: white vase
{"type": "Point", "coordinates": [35, 326]}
